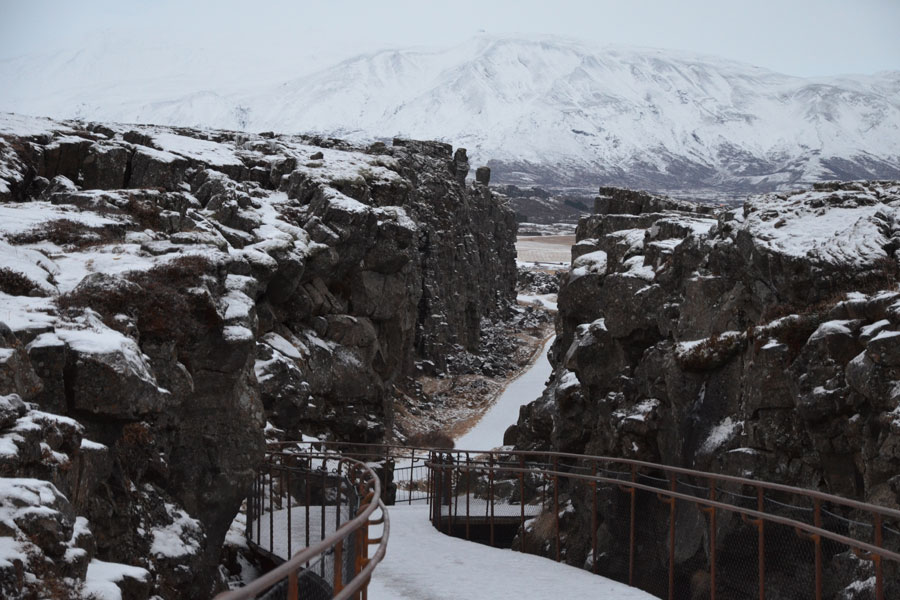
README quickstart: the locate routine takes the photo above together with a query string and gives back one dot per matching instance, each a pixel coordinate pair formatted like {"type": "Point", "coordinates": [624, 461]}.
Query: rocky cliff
{"type": "Point", "coordinates": [166, 292]}
{"type": "Point", "coordinates": [759, 341]}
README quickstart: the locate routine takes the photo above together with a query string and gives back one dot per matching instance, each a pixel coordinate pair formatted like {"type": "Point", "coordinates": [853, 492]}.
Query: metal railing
{"type": "Point", "coordinates": [322, 505]}
{"type": "Point", "coordinates": [402, 469]}
{"type": "Point", "coordinates": [673, 532]}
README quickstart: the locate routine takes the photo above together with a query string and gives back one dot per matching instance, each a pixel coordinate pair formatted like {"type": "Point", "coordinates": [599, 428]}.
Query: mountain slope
{"type": "Point", "coordinates": [555, 112]}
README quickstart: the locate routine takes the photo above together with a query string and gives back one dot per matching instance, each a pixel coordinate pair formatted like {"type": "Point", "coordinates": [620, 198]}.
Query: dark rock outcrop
{"type": "Point", "coordinates": [758, 342]}
{"type": "Point", "coordinates": [176, 289]}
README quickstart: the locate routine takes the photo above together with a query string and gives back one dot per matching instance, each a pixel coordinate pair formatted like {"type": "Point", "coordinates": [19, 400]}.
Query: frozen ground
{"type": "Point", "coordinates": [545, 249]}
{"type": "Point", "coordinates": [547, 301]}
{"type": "Point", "coordinates": [423, 564]}
{"type": "Point", "coordinates": [488, 432]}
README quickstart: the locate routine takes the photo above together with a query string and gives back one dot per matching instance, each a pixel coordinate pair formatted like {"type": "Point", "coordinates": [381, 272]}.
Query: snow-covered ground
{"type": "Point", "coordinates": [488, 432]}
{"type": "Point", "coordinates": [556, 249]}
{"type": "Point", "coordinates": [424, 564]}
{"type": "Point", "coordinates": [547, 301]}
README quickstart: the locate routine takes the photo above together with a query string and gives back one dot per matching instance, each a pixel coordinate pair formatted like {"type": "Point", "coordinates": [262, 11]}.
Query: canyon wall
{"type": "Point", "coordinates": [167, 292]}
{"type": "Point", "coordinates": [759, 342]}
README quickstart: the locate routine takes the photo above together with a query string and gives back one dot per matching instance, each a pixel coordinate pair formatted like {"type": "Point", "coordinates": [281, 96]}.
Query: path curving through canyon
{"type": "Point", "coordinates": [487, 433]}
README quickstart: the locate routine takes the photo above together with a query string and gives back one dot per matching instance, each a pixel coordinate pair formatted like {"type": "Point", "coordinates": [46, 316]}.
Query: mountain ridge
{"type": "Point", "coordinates": [560, 112]}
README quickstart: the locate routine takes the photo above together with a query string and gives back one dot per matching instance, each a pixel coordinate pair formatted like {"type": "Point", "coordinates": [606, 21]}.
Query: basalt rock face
{"type": "Point", "coordinates": [759, 342]}
{"type": "Point", "coordinates": [169, 291]}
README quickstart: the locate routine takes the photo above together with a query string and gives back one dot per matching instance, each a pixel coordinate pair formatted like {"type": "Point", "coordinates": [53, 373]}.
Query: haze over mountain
{"type": "Point", "coordinates": [543, 110]}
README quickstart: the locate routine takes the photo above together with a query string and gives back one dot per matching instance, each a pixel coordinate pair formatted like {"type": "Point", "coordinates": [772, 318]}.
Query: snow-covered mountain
{"type": "Point", "coordinates": [537, 109]}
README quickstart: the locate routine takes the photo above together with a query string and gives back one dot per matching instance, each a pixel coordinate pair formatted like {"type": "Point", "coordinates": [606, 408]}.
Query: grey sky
{"type": "Point", "coordinates": [798, 37]}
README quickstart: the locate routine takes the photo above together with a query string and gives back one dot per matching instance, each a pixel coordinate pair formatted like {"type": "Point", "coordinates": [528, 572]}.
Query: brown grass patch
{"type": "Point", "coordinates": [66, 232]}
{"type": "Point", "coordinates": [145, 213]}
{"type": "Point", "coordinates": [431, 439]}
{"type": "Point", "coordinates": [711, 353]}
{"type": "Point", "coordinates": [15, 283]}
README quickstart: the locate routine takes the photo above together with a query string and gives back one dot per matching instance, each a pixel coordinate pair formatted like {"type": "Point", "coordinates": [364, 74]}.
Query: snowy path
{"type": "Point", "coordinates": [423, 564]}
{"type": "Point", "coordinates": [488, 432]}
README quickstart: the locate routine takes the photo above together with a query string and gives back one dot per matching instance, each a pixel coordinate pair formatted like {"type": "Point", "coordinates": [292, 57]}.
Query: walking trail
{"type": "Point", "coordinates": [424, 564]}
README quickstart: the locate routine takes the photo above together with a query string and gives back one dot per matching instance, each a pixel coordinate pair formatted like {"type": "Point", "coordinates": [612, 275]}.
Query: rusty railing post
{"type": "Point", "coordinates": [556, 504]}
{"type": "Point", "coordinates": [468, 484]}
{"type": "Point", "coordinates": [290, 529]}
{"type": "Point", "coordinates": [271, 512]}
{"type": "Point", "coordinates": [711, 511]}
{"type": "Point", "coordinates": [631, 527]}
{"type": "Point", "coordinates": [761, 544]}
{"type": "Point", "coordinates": [308, 502]}
{"type": "Point", "coordinates": [430, 483]}
{"type": "Point", "coordinates": [455, 486]}
{"type": "Point", "coordinates": [338, 583]}
{"type": "Point", "coordinates": [670, 500]}
{"type": "Point", "coordinates": [447, 483]}
{"type": "Point", "coordinates": [817, 521]}
{"type": "Point", "coordinates": [672, 543]}
{"type": "Point", "coordinates": [322, 511]}
{"type": "Point", "coordinates": [412, 470]}
{"type": "Point", "coordinates": [435, 472]}
{"type": "Point", "coordinates": [491, 492]}
{"type": "Point", "coordinates": [293, 586]}
{"type": "Point", "coordinates": [339, 495]}
{"type": "Point", "coordinates": [594, 566]}
{"type": "Point", "coordinates": [522, 500]}
{"type": "Point", "coordinates": [879, 569]}
{"type": "Point", "coordinates": [251, 510]}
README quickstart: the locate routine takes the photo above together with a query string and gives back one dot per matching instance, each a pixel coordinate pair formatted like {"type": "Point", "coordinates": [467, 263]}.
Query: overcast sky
{"type": "Point", "coordinates": [797, 37]}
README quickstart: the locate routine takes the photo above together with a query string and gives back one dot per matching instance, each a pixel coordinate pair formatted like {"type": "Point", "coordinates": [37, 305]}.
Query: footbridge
{"type": "Point", "coordinates": [318, 512]}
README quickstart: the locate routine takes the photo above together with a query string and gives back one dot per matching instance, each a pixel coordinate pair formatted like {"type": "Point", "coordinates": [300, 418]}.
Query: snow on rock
{"type": "Point", "coordinates": [147, 311]}
{"type": "Point", "coordinates": [592, 262]}
{"type": "Point", "coordinates": [42, 539]}
{"type": "Point", "coordinates": [830, 328]}
{"type": "Point", "coordinates": [104, 580]}
{"type": "Point", "coordinates": [282, 345]}
{"type": "Point", "coordinates": [36, 270]}
{"type": "Point", "coordinates": [22, 126]}
{"type": "Point", "coordinates": [109, 360]}
{"type": "Point", "coordinates": [708, 352]}
{"type": "Point", "coordinates": [721, 434]}
{"type": "Point", "coordinates": [639, 418]}
{"type": "Point", "coordinates": [843, 226]}
{"type": "Point", "coordinates": [547, 301]}
{"type": "Point", "coordinates": [211, 153]}
{"type": "Point", "coordinates": [181, 537]}
{"type": "Point", "coordinates": [635, 266]}
{"type": "Point", "coordinates": [639, 411]}
{"type": "Point", "coordinates": [18, 219]}
{"type": "Point", "coordinates": [117, 259]}
{"type": "Point", "coordinates": [88, 335]}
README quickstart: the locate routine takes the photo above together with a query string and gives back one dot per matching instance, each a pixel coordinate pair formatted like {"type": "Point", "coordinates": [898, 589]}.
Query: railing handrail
{"type": "Point", "coordinates": [295, 563]}
{"type": "Point", "coordinates": [555, 466]}
{"type": "Point", "coordinates": [814, 494]}
{"type": "Point", "coordinates": [811, 529]}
